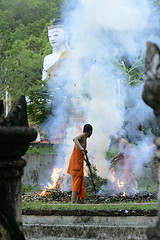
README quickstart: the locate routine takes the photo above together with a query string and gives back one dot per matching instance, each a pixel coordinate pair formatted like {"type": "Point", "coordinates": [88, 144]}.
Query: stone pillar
{"type": "Point", "coordinates": [151, 96]}
{"type": "Point", "coordinates": [10, 199]}
{"type": "Point", "coordinates": [15, 136]}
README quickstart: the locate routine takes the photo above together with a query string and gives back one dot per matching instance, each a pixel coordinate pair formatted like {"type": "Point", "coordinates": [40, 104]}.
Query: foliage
{"type": "Point", "coordinates": [20, 66]}
{"type": "Point", "coordinates": [131, 74]}
{"type": "Point", "coordinates": [40, 103]}
{"type": "Point", "coordinates": [24, 43]}
{"type": "Point", "coordinates": [98, 181]}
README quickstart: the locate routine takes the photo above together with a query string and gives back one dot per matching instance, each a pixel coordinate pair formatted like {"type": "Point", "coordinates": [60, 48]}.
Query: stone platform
{"type": "Point", "coordinates": [87, 224]}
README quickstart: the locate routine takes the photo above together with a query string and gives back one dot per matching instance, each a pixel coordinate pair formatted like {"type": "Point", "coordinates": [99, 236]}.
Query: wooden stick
{"type": "Point", "coordinates": [91, 175]}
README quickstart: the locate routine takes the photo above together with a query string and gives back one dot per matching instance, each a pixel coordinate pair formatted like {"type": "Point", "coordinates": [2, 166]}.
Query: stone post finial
{"type": "Point", "coordinates": [151, 89]}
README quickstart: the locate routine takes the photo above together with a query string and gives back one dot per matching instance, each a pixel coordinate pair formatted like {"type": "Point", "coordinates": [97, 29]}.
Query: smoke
{"type": "Point", "coordinates": [109, 24]}
{"type": "Point", "coordinates": [139, 117]}
{"type": "Point", "coordinates": [91, 86]}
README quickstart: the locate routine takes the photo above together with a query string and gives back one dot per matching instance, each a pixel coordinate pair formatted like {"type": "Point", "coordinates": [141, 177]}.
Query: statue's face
{"type": "Point", "coordinates": [57, 37]}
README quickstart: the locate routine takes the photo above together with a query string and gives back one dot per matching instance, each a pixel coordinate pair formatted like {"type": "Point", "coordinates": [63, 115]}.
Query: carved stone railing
{"type": "Point", "coordinates": [151, 96]}
{"type": "Point", "coordinates": [15, 136]}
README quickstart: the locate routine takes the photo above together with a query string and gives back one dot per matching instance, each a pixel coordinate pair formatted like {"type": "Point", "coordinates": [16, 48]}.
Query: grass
{"type": "Point", "coordinates": [42, 149]}
{"type": "Point", "coordinates": [46, 148]}
{"type": "Point", "coordinates": [29, 188]}
{"type": "Point", "coordinates": [147, 185]}
{"type": "Point", "coordinates": [120, 206]}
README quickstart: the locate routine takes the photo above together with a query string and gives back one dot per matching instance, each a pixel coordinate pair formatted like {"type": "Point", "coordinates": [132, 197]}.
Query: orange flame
{"type": "Point", "coordinates": [124, 194]}
{"type": "Point", "coordinates": [118, 183]}
{"type": "Point", "coordinates": [55, 177]}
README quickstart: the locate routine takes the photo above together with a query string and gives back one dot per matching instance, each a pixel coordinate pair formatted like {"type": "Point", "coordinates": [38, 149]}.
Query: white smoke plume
{"type": "Point", "coordinates": [97, 31]}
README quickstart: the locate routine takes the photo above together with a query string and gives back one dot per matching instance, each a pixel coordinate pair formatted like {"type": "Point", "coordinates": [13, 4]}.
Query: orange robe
{"type": "Point", "coordinates": [128, 161]}
{"type": "Point", "coordinates": [75, 169]}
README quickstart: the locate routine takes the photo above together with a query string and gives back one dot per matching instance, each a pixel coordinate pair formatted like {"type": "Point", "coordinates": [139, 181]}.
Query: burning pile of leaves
{"type": "Point", "coordinates": [56, 196]}
{"type": "Point", "coordinates": [138, 197]}
{"type": "Point", "coordinates": [106, 191]}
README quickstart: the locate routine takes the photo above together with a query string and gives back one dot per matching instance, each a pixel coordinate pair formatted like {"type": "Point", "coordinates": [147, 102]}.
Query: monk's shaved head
{"type": "Point", "coordinates": [87, 128]}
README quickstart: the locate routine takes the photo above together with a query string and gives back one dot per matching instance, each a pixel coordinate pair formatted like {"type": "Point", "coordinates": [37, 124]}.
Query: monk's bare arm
{"type": "Point", "coordinates": [77, 140]}
{"type": "Point", "coordinates": [120, 154]}
{"type": "Point", "coordinates": [116, 157]}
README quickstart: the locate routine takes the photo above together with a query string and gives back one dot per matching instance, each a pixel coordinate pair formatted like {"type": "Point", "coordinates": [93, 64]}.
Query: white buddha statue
{"type": "Point", "coordinates": [58, 40]}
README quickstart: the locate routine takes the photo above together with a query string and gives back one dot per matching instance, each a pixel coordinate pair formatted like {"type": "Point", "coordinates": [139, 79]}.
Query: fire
{"type": "Point", "coordinates": [113, 178]}
{"type": "Point", "coordinates": [117, 182]}
{"type": "Point", "coordinates": [55, 178]}
{"type": "Point", "coordinates": [124, 194]}
{"type": "Point", "coordinates": [43, 192]}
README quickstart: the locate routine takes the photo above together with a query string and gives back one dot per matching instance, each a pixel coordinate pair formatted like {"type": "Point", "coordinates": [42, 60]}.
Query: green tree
{"type": "Point", "coordinates": [24, 43]}
{"type": "Point", "coordinates": [40, 103]}
{"type": "Point", "coordinates": [20, 70]}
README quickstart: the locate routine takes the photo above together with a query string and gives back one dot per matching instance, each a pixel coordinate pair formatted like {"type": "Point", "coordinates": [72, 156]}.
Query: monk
{"type": "Point", "coordinates": [75, 168]}
{"type": "Point", "coordinates": [127, 158]}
